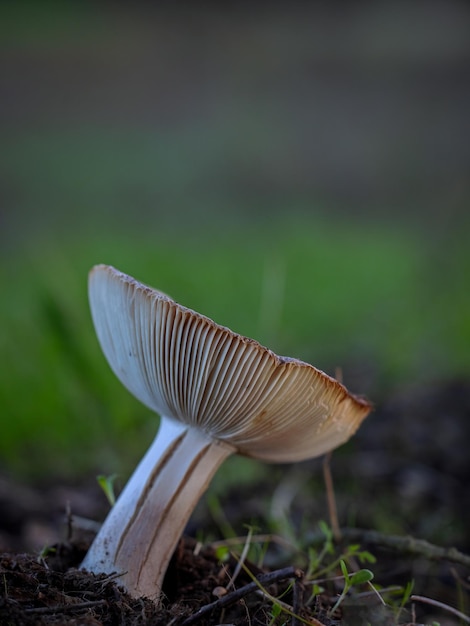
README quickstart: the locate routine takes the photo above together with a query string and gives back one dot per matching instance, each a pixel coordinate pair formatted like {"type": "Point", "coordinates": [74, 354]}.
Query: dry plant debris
{"type": "Point", "coordinates": [50, 589]}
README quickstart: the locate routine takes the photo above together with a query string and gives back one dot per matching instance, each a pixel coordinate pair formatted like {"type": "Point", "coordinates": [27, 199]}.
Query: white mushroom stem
{"type": "Point", "coordinates": [142, 530]}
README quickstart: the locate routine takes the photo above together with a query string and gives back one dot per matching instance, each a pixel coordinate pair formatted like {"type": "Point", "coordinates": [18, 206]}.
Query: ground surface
{"type": "Point", "coordinates": [408, 473]}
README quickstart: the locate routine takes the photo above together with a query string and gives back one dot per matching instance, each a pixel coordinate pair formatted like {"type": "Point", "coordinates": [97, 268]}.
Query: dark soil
{"type": "Point", "coordinates": [51, 590]}
{"type": "Point", "coordinates": [407, 473]}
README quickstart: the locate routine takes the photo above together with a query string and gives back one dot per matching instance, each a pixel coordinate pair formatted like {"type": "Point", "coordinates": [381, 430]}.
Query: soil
{"type": "Point", "coordinates": [411, 476]}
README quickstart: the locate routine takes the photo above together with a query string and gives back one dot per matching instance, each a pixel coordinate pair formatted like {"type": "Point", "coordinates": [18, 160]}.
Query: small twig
{"type": "Point", "coordinates": [69, 520]}
{"type": "Point", "coordinates": [374, 592]}
{"type": "Point", "coordinates": [320, 581]}
{"type": "Point", "coordinates": [238, 594]}
{"type": "Point", "coordinates": [443, 606]}
{"type": "Point", "coordinates": [296, 618]}
{"type": "Point", "coordinates": [267, 596]}
{"type": "Point", "coordinates": [330, 496]}
{"type": "Point", "coordinates": [65, 608]}
{"type": "Point", "coordinates": [406, 544]}
{"type": "Point", "coordinates": [241, 561]}
{"type": "Point", "coordinates": [296, 601]}
{"type": "Point", "coordinates": [459, 580]}
{"type": "Point", "coordinates": [263, 538]}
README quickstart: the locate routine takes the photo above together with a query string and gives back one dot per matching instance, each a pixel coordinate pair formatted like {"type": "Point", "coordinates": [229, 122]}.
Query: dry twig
{"type": "Point", "coordinates": [65, 608]}
{"type": "Point", "coordinates": [441, 605]}
{"type": "Point", "coordinates": [403, 544]}
{"type": "Point", "coordinates": [330, 496]}
{"type": "Point", "coordinates": [230, 598]}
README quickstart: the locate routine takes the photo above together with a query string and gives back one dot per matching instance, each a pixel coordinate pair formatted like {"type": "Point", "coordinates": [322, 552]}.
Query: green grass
{"type": "Point", "coordinates": [333, 294]}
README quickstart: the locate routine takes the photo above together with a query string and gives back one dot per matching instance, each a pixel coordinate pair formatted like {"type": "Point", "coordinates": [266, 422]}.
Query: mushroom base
{"type": "Point", "coordinates": [142, 529]}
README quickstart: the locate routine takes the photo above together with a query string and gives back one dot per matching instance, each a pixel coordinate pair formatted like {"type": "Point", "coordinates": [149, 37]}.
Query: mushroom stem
{"type": "Point", "coordinates": [142, 530]}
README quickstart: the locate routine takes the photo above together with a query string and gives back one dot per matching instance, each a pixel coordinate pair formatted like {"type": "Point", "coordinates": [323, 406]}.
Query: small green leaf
{"type": "Point", "coordinates": [344, 569]}
{"type": "Point", "coordinates": [366, 557]}
{"type": "Point", "coordinates": [326, 530]}
{"type": "Point", "coordinates": [107, 485]}
{"type": "Point", "coordinates": [353, 548]}
{"type": "Point", "coordinates": [47, 551]}
{"type": "Point", "coordinates": [222, 553]}
{"type": "Point", "coordinates": [407, 592]}
{"type": "Point", "coordinates": [361, 577]}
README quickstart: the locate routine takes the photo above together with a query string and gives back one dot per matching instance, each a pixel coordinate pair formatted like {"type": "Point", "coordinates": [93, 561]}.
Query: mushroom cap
{"type": "Point", "coordinates": [186, 367]}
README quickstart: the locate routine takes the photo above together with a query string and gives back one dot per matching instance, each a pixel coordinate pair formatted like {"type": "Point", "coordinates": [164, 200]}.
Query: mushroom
{"type": "Point", "coordinates": [218, 393]}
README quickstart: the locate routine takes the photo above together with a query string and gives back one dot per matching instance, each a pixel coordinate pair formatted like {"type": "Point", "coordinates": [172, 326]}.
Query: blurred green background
{"type": "Point", "coordinates": [300, 173]}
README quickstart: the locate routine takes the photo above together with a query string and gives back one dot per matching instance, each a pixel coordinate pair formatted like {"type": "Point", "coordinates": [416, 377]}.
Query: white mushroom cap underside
{"type": "Point", "coordinates": [185, 366]}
